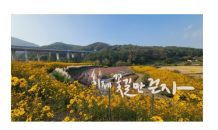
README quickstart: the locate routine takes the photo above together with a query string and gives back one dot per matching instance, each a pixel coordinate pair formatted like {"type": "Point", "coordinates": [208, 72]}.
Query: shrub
{"type": "Point", "coordinates": [145, 79]}
{"type": "Point", "coordinates": [187, 63]}
{"type": "Point", "coordinates": [176, 71]}
{"type": "Point", "coordinates": [61, 75]}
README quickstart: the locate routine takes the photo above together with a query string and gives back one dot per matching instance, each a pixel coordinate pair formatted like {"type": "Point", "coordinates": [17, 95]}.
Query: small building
{"type": "Point", "coordinates": [192, 60]}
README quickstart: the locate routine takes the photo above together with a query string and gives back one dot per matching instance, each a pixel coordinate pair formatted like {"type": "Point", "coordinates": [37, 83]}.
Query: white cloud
{"type": "Point", "coordinates": [185, 35]}
{"type": "Point", "coordinates": [188, 27]}
{"type": "Point", "coordinates": [197, 33]}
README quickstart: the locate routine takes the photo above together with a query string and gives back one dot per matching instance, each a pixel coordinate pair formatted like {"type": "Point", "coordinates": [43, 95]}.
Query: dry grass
{"type": "Point", "coordinates": [186, 70]}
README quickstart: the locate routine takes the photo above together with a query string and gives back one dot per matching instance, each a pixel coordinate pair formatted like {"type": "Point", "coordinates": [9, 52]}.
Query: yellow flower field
{"type": "Point", "coordinates": [36, 96]}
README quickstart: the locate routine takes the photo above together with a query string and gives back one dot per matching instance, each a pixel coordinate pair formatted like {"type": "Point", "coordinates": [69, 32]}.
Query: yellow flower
{"type": "Point", "coordinates": [200, 105]}
{"type": "Point", "coordinates": [71, 101]}
{"type": "Point", "coordinates": [14, 81]}
{"type": "Point", "coordinates": [66, 118]}
{"type": "Point", "coordinates": [73, 119]}
{"type": "Point", "coordinates": [52, 115]}
{"type": "Point", "coordinates": [192, 96]}
{"type": "Point", "coordinates": [180, 119]}
{"type": "Point", "coordinates": [140, 119]}
{"type": "Point", "coordinates": [41, 115]}
{"type": "Point", "coordinates": [46, 108]}
{"type": "Point", "coordinates": [90, 105]}
{"type": "Point", "coordinates": [157, 119]}
{"type": "Point", "coordinates": [22, 80]}
{"type": "Point", "coordinates": [71, 111]}
{"type": "Point", "coordinates": [32, 77]}
{"type": "Point", "coordinates": [201, 92]}
{"type": "Point", "coordinates": [49, 114]}
{"type": "Point", "coordinates": [176, 97]}
{"type": "Point", "coordinates": [68, 106]}
{"type": "Point", "coordinates": [39, 104]}
{"type": "Point", "coordinates": [80, 113]}
{"type": "Point", "coordinates": [84, 114]}
{"type": "Point", "coordinates": [75, 82]}
{"type": "Point", "coordinates": [86, 118]}
{"type": "Point", "coordinates": [29, 119]}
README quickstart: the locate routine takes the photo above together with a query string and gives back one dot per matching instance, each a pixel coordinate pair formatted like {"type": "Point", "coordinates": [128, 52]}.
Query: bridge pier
{"type": "Point", "coordinates": [82, 54]}
{"type": "Point", "coordinates": [13, 54]}
{"type": "Point", "coordinates": [72, 55]}
{"type": "Point", "coordinates": [57, 55]}
{"type": "Point", "coordinates": [68, 55]}
{"type": "Point", "coordinates": [49, 54]}
{"type": "Point", "coordinates": [38, 56]}
{"type": "Point", "coordinates": [26, 55]}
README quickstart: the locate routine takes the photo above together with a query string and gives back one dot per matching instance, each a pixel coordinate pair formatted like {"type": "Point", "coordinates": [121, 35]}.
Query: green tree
{"type": "Point", "coordinates": [120, 63]}
{"type": "Point", "coordinates": [168, 60]}
{"type": "Point", "coordinates": [129, 61]}
{"type": "Point", "coordinates": [97, 62]}
{"type": "Point", "coordinates": [50, 58]}
{"type": "Point", "coordinates": [142, 59]}
{"type": "Point", "coordinates": [106, 62]}
{"type": "Point", "coordinates": [44, 57]}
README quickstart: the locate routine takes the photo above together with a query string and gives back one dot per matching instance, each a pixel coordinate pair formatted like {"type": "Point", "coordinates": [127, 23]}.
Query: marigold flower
{"type": "Point", "coordinates": [14, 81]}
{"type": "Point", "coordinates": [73, 119]}
{"type": "Point", "coordinates": [80, 113]}
{"type": "Point", "coordinates": [180, 119]}
{"type": "Point", "coordinates": [68, 106]}
{"type": "Point", "coordinates": [46, 108]}
{"type": "Point", "coordinates": [66, 118]}
{"type": "Point", "coordinates": [22, 80]}
{"type": "Point", "coordinates": [29, 119]}
{"type": "Point", "coordinates": [176, 97]}
{"type": "Point", "coordinates": [201, 92]}
{"type": "Point", "coordinates": [157, 119]}
{"type": "Point", "coordinates": [71, 101]}
{"type": "Point", "coordinates": [192, 96]}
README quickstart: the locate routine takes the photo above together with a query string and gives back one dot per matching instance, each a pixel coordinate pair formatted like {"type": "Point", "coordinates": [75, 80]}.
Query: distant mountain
{"type": "Point", "coordinates": [95, 46]}
{"type": "Point", "coordinates": [19, 42]}
{"type": "Point", "coordinates": [62, 46]}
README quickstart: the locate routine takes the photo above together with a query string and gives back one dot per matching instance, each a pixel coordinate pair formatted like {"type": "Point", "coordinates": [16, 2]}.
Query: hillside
{"type": "Point", "coordinates": [19, 42]}
{"type": "Point", "coordinates": [62, 46]}
{"type": "Point", "coordinates": [95, 46]}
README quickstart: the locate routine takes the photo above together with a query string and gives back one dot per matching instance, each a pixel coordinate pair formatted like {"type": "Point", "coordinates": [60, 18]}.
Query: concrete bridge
{"type": "Point", "coordinates": [39, 49]}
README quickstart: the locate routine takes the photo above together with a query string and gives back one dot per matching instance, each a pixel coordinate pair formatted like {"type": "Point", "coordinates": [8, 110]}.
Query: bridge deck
{"type": "Point", "coordinates": [38, 49]}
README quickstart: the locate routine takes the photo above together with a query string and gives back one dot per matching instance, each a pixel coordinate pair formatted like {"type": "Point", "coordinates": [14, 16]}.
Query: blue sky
{"type": "Point", "coordinates": [142, 30]}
